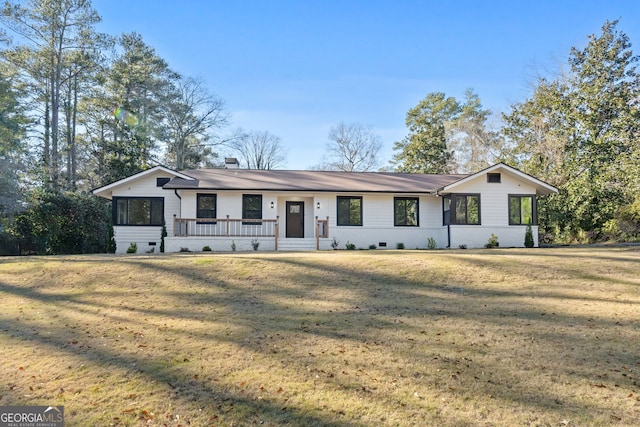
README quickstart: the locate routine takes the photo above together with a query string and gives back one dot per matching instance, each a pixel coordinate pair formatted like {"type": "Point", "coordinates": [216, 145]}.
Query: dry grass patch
{"type": "Point", "coordinates": [402, 338]}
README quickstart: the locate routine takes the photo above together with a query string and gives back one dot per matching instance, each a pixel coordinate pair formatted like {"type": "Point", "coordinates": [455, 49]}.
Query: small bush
{"type": "Point", "coordinates": [373, 247]}
{"type": "Point", "coordinates": [463, 246]}
{"type": "Point", "coordinates": [233, 246]}
{"type": "Point", "coordinates": [255, 243]}
{"type": "Point", "coordinates": [184, 250]}
{"type": "Point", "coordinates": [493, 242]}
{"type": "Point", "coordinates": [528, 237]}
{"type": "Point", "coordinates": [399, 245]}
{"type": "Point", "coordinates": [350, 246]}
{"type": "Point", "coordinates": [431, 243]}
{"type": "Point", "coordinates": [334, 244]}
{"type": "Point", "coordinates": [133, 248]}
{"type": "Point", "coordinates": [163, 234]}
{"type": "Point", "coordinates": [206, 249]}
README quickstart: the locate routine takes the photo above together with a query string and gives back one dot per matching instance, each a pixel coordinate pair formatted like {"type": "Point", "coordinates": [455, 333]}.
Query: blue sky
{"type": "Point", "coordinates": [296, 68]}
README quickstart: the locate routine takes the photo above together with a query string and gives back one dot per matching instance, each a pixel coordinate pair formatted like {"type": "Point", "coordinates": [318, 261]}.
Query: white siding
{"type": "Point", "coordinates": [494, 213]}
{"type": "Point", "coordinates": [143, 235]}
{"type": "Point", "coordinates": [378, 217]}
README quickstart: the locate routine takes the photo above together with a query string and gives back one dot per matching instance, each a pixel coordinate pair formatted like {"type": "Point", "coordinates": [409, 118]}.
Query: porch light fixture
{"type": "Point", "coordinates": [318, 205]}
{"type": "Point", "coordinates": [271, 205]}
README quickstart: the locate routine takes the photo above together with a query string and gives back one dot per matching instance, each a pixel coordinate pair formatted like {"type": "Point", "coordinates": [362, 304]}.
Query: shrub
{"type": "Point", "coordinates": [373, 247]}
{"type": "Point", "coordinates": [163, 234]}
{"type": "Point", "coordinates": [255, 243]}
{"type": "Point", "coordinates": [111, 241]}
{"type": "Point", "coordinates": [233, 246]}
{"type": "Point", "coordinates": [493, 242]}
{"type": "Point", "coordinates": [399, 245]}
{"type": "Point", "coordinates": [184, 250]}
{"type": "Point", "coordinates": [334, 244]}
{"type": "Point", "coordinates": [206, 249]}
{"type": "Point", "coordinates": [62, 223]}
{"type": "Point", "coordinates": [350, 246]}
{"type": "Point", "coordinates": [431, 243]}
{"type": "Point", "coordinates": [528, 237]}
{"type": "Point", "coordinates": [133, 248]}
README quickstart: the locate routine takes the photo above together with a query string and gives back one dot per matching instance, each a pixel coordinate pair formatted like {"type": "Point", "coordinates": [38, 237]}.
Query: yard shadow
{"type": "Point", "coordinates": [360, 307]}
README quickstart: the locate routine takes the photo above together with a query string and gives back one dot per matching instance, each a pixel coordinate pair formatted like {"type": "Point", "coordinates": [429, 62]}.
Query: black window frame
{"type": "Point", "coordinates": [494, 178]}
{"type": "Point", "coordinates": [248, 213]}
{"type": "Point", "coordinates": [201, 213]}
{"type": "Point", "coordinates": [397, 208]}
{"type": "Point", "coordinates": [339, 217]}
{"type": "Point", "coordinates": [534, 209]}
{"type": "Point", "coordinates": [454, 220]}
{"type": "Point", "coordinates": [153, 211]}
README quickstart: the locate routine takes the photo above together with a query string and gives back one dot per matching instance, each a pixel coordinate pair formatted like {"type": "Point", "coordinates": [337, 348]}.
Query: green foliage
{"type": "Point", "coordinates": [111, 240]}
{"type": "Point", "coordinates": [425, 149]}
{"type": "Point", "coordinates": [206, 249]}
{"type": "Point", "coordinates": [334, 244]}
{"type": "Point", "coordinates": [399, 245]}
{"type": "Point", "coordinates": [492, 242]}
{"type": "Point", "coordinates": [62, 223]}
{"type": "Point", "coordinates": [431, 243]}
{"type": "Point", "coordinates": [163, 234]}
{"type": "Point", "coordinates": [133, 248]}
{"type": "Point", "coordinates": [233, 246]}
{"type": "Point", "coordinates": [350, 246]}
{"type": "Point", "coordinates": [580, 133]}
{"type": "Point", "coordinates": [528, 237]}
{"type": "Point", "coordinates": [372, 246]}
{"type": "Point", "coordinates": [255, 244]}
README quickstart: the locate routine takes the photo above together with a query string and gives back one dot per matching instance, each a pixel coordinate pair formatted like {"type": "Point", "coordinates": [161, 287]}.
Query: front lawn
{"type": "Point", "coordinates": [358, 338]}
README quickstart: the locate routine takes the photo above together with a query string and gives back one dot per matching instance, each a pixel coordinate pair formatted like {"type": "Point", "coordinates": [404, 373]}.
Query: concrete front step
{"type": "Point", "coordinates": [297, 244]}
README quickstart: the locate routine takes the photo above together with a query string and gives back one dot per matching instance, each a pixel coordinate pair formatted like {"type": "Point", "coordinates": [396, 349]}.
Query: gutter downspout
{"type": "Point", "coordinates": [437, 193]}
{"type": "Point", "coordinates": [178, 196]}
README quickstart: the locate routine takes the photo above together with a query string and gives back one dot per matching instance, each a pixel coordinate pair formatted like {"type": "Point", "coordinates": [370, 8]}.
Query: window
{"type": "Point", "coordinates": [206, 207]}
{"type": "Point", "coordinates": [162, 181]}
{"type": "Point", "coordinates": [493, 178]}
{"type": "Point", "coordinates": [251, 208]}
{"type": "Point", "coordinates": [138, 210]}
{"type": "Point", "coordinates": [522, 210]}
{"type": "Point", "coordinates": [465, 209]}
{"type": "Point", "coordinates": [405, 211]}
{"type": "Point", "coordinates": [349, 210]}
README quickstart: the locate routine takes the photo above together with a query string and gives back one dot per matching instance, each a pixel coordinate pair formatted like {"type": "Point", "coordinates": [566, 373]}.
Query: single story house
{"type": "Point", "coordinates": [234, 208]}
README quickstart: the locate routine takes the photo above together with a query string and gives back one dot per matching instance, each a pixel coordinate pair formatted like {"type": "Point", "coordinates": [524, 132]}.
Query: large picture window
{"type": "Point", "coordinates": [251, 208]}
{"type": "Point", "coordinates": [522, 210]}
{"type": "Point", "coordinates": [349, 210]}
{"type": "Point", "coordinates": [465, 209]}
{"type": "Point", "coordinates": [405, 211]}
{"type": "Point", "coordinates": [206, 206]}
{"type": "Point", "coordinates": [138, 210]}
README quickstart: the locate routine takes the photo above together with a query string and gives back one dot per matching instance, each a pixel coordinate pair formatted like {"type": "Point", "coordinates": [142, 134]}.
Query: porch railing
{"type": "Point", "coordinates": [225, 227]}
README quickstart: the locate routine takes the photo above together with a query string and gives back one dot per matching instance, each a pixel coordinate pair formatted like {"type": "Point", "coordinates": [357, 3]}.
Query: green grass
{"type": "Point", "coordinates": [540, 337]}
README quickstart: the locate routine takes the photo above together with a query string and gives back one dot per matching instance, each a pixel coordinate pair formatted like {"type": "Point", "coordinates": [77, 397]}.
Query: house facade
{"type": "Point", "coordinates": [237, 209]}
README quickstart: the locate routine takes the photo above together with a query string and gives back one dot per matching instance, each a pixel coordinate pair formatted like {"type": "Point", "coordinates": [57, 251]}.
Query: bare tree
{"type": "Point", "coordinates": [190, 120]}
{"type": "Point", "coordinates": [352, 147]}
{"type": "Point", "coordinates": [260, 150]}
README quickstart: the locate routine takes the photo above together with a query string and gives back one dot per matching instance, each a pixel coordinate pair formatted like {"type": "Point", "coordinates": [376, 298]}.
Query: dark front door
{"type": "Point", "coordinates": [295, 219]}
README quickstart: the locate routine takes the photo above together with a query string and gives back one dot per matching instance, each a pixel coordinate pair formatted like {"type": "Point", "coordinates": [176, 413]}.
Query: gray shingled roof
{"type": "Point", "coordinates": [318, 181]}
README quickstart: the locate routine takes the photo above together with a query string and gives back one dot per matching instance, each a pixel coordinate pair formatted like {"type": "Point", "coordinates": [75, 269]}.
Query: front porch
{"type": "Point", "coordinates": [231, 234]}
